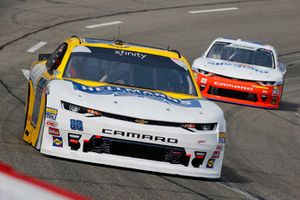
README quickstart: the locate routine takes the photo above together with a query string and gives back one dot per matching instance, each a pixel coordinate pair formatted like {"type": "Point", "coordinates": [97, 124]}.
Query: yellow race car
{"type": "Point", "coordinates": [123, 104]}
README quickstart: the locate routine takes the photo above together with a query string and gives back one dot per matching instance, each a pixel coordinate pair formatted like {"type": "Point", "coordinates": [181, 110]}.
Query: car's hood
{"type": "Point", "coordinates": [237, 70]}
{"type": "Point", "coordinates": [138, 103]}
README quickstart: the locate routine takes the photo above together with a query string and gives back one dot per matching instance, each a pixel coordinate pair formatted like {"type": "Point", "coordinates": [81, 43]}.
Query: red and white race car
{"type": "Point", "coordinates": [241, 72]}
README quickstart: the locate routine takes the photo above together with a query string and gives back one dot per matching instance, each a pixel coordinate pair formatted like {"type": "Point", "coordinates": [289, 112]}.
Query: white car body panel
{"type": "Point", "coordinates": [240, 70]}
{"type": "Point", "coordinates": [162, 108]}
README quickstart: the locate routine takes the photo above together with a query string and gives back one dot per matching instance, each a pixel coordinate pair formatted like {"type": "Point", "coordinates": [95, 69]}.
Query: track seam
{"type": "Point", "coordinates": [242, 192]}
{"type": "Point", "coordinates": [123, 13]}
{"type": "Point", "coordinates": [289, 54]}
{"type": "Point", "coordinates": [185, 187]}
{"type": "Point", "coordinates": [10, 92]}
{"type": "Point", "coordinates": [270, 111]}
{"type": "Point", "coordinates": [278, 116]}
{"type": "Point", "coordinates": [108, 184]}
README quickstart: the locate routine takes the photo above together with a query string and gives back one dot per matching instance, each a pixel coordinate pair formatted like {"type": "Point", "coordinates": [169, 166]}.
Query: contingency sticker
{"type": "Point", "coordinates": [53, 131]}
{"type": "Point", "coordinates": [51, 123]}
{"type": "Point", "coordinates": [210, 163]}
{"type": "Point", "coordinates": [51, 113]}
{"type": "Point", "coordinates": [222, 138]}
{"type": "Point", "coordinates": [57, 141]}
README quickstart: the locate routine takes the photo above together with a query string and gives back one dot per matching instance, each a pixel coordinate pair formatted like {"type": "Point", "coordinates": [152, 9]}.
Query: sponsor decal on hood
{"type": "Point", "coordinates": [244, 66]}
{"type": "Point", "coordinates": [122, 91]}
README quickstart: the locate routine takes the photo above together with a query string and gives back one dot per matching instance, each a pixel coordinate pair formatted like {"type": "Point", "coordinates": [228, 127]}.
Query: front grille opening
{"type": "Point", "coordinates": [163, 153]}
{"type": "Point", "coordinates": [245, 80]}
{"type": "Point", "coordinates": [150, 122]}
{"type": "Point", "coordinates": [233, 94]}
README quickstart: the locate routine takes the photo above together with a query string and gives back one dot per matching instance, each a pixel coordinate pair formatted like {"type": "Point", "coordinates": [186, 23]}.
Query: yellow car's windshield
{"type": "Point", "coordinates": [129, 68]}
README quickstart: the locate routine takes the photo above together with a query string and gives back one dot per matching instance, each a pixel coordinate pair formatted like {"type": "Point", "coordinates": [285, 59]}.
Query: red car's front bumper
{"type": "Point", "coordinates": [239, 91]}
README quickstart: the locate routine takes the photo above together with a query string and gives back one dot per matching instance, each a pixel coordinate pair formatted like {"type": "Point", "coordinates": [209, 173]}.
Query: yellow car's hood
{"type": "Point", "coordinates": [138, 103]}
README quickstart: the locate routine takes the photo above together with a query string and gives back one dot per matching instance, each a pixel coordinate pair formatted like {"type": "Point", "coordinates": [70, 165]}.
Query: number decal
{"type": "Point", "coordinates": [203, 80]}
{"type": "Point", "coordinates": [76, 125]}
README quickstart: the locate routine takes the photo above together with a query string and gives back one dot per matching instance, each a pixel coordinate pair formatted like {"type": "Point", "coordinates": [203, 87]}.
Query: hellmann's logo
{"type": "Point", "coordinates": [129, 53]}
{"type": "Point", "coordinates": [139, 136]}
{"type": "Point", "coordinates": [232, 86]}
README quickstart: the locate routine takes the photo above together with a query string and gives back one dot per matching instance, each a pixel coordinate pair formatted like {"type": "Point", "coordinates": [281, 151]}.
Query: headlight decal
{"type": "Point", "coordinates": [80, 109]}
{"type": "Point", "coordinates": [200, 127]}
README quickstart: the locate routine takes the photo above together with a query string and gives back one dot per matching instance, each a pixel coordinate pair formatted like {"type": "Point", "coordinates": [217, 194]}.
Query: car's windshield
{"type": "Point", "coordinates": [229, 52]}
{"type": "Point", "coordinates": [130, 69]}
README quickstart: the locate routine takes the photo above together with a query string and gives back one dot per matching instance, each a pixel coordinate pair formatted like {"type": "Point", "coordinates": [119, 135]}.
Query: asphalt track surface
{"type": "Point", "coordinates": [262, 157]}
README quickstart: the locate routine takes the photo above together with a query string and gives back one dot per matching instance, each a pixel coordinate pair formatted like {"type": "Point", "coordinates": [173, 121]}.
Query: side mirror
{"type": "Point", "coordinates": [44, 56]}
{"type": "Point", "coordinates": [282, 68]}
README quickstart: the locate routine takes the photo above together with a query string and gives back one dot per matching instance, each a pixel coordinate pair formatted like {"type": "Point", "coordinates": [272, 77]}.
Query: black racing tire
{"type": "Point", "coordinates": [281, 94]}
{"type": "Point", "coordinates": [27, 107]}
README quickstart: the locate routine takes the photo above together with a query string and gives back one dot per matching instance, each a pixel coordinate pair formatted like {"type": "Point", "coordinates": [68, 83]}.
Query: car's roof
{"type": "Point", "coordinates": [246, 44]}
{"type": "Point", "coordinates": [124, 45]}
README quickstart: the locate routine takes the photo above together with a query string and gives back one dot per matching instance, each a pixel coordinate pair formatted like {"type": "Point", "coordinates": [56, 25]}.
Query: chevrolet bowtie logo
{"type": "Point", "coordinates": [141, 121]}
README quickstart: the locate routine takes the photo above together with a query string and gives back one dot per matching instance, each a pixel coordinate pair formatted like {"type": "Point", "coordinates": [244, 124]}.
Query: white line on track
{"type": "Point", "coordinates": [213, 10]}
{"type": "Point", "coordinates": [36, 46]}
{"type": "Point", "coordinates": [104, 24]}
{"type": "Point", "coordinates": [237, 190]}
{"type": "Point", "coordinates": [297, 114]}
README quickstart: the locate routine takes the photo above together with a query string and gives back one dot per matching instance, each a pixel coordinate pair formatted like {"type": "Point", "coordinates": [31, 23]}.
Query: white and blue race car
{"type": "Point", "coordinates": [126, 105]}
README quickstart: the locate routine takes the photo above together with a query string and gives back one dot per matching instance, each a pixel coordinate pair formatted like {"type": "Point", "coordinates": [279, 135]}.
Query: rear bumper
{"type": "Point", "coordinates": [239, 92]}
